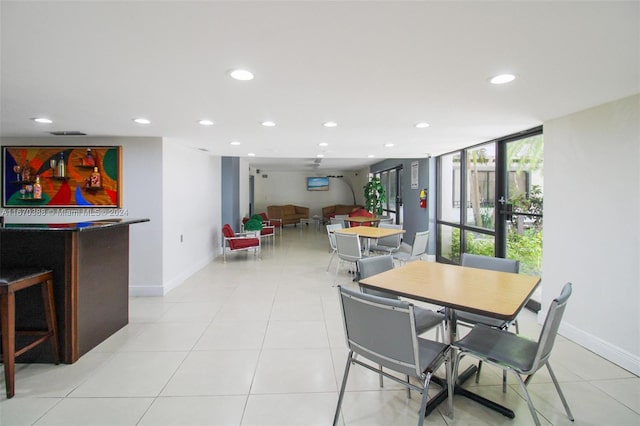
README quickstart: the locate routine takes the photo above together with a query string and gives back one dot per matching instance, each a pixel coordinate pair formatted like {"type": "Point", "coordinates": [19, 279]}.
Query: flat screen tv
{"type": "Point", "coordinates": [317, 184]}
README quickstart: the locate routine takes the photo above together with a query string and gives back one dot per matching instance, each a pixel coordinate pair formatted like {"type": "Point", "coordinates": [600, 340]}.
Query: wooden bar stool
{"type": "Point", "coordinates": [11, 281]}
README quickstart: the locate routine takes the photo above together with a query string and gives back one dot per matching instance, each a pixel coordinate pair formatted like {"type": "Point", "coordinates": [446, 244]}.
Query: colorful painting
{"type": "Point", "coordinates": [34, 176]}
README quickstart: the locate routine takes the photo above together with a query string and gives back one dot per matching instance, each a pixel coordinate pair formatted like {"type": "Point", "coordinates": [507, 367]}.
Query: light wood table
{"type": "Point", "coordinates": [370, 232]}
{"type": "Point", "coordinates": [496, 294]}
{"type": "Point", "coordinates": [363, 219]}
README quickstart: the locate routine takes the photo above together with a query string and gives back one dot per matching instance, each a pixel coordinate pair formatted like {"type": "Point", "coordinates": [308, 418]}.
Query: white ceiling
{"type": "Point", "coordinates": [376, 68]}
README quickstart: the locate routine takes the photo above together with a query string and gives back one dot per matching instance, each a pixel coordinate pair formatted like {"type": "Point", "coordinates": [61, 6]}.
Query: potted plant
{"type": "Point", "coordinates": [375, 196]}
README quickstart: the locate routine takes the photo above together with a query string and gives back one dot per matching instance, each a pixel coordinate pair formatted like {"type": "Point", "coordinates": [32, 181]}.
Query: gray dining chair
{"type": "Point", "coordinates": [332, 240]}
{"type": "Point", "coordinates": [382, 330]}
{"type": "Point", "coordinates": [340, 219]}
{"type": "Point", "coordinates": [390, 244]}
{"type": "Point", "coordinates": [518, 354]}
{"type": "Point", "coordinates": [348, 249]}
{"type": "Point", "coordinates": [426, 319]}
{"type": "Point", "coordinates": [469, 319]}
{"type": "Point", "coordinates": [418, 249]}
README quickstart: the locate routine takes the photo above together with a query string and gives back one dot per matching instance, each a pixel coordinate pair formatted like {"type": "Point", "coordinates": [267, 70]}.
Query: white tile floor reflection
{"type": "Point", "coordinates": [260, 343]}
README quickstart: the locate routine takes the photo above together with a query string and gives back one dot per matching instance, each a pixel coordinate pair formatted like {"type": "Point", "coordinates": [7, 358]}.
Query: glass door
{"type": "Point", "coordinates": [522, 210]}
{"type": "Point", "coordinates": [392, 181]}
{"type": "Point", "coordinates": [490, 201]}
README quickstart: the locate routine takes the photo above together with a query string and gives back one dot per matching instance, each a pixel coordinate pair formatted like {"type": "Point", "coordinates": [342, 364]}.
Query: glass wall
{"type": "Point", "coordinates": [490, 201]}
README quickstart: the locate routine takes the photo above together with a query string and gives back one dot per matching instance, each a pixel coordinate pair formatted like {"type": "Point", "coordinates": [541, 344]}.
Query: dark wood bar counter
{"type": "Point", "coordinates": [90, 263]}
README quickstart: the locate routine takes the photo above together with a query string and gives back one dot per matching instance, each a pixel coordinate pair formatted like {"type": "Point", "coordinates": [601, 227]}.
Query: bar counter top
{"type": "Point", "coordinates": [73, 226]}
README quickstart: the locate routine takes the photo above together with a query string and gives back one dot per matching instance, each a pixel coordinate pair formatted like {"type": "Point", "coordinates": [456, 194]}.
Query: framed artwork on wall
{"type": "Point", "coordinates": [62, 176]}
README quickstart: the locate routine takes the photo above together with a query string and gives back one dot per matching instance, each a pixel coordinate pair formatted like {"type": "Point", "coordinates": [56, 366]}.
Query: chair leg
{"type": "Point", "coordinates": [50, 314]}
{"type": "Point", "coordinates": [381, 376]}
{"type": "Point", "coordinates": [8, 319]}
{"type": "Point", "coordinates": [423, 402]}
{"type": "Point", "coordinates": [331, 260]}
{"type": "Point", "coordinates": [504, 381]}
{"type": "Point", "coordinates": [408, 389]}
{"type": "Point", "coordinates": [557, 385]}
{"type": "Point", "coordinates": [342, 388]}
{"type": "Point", "coordinates": [448, 364]}
{"type": "Point", "coordinates": [478, 371]}
{"type": "Point", "coordinates": [532, 409]}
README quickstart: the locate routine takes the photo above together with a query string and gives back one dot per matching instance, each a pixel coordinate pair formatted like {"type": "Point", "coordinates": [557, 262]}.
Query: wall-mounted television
{"type": "Point", "coordinates": [317, 184]}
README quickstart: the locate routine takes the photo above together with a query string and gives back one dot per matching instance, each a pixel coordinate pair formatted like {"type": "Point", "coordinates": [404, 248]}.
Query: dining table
{"type": "Point", "coordinates": [491, 293]}
{"type": "Point", "coordinates": [370, 233]}
{"type": "Point", "coordinates": [363, 219]}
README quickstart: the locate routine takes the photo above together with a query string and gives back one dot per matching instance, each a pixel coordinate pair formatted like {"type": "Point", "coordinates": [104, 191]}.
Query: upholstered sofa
{"type": "Point", "coordinates": [330, 211]}
{"type": "Point", "coordinates": [288, 213]}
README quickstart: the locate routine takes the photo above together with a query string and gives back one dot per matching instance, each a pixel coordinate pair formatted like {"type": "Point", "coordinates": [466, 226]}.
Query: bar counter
{"type": "Point", "coordinates": [90, 263]}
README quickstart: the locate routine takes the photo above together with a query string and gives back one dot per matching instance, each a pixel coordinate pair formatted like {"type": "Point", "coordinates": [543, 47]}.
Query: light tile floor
{"type": "Point", "coordinates": [260, 342]}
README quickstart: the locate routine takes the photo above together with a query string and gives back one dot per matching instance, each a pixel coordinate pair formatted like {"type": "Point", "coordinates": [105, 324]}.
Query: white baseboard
{"type": "Point", "coordinates": [161, 290]}
{"type": "Point", "coordinates": [146, 291]}
{"type": "Point", "coordinates": [617, 355]}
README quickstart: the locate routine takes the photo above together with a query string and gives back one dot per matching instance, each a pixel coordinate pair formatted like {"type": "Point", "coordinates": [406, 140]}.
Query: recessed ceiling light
{"type": "Point", "coordinates": [388, 145]}
{"type": "Point", "coordinates": [330, 124]}
{"type": "Point", "coordinates": [142, 121]}
{"type": "Point", "coordinates": [502, 79]}
{"type": "Point", "coordinates": [370, 156]}
{"type": "Point", "coordinates": [206, 122]}
{"type": "Point", "coordinates": [42, 120]}
{"type": "Point", "coordinates": [234, 143]}
{"type": "Point", "coordinates": [268, 123]}
{"type": "Point", "coordinates": [323, 144]}
{"type": "Point", "coordinates": [242, 75]}
{"type": "Point", "coordinates": [320, 155]}
{"type": "Point", "coordinates": [422, 125]}
{"type": "Point", "coordinates": [251, 154]}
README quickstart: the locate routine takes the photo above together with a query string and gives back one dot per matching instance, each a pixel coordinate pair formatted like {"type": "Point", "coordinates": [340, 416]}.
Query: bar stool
{"type": "Point", "coordinates": [11, 281]}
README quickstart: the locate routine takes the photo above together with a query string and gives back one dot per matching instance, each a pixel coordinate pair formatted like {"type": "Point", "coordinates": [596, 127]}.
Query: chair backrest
{"type": "Point", "coordinates": [227, 231]}
{"type": "Point", "coordinates": [392, 241]}
{"type": "Point", "coordinates": [385, 219]}
{"type": "Point", "coordinates": [420, 242]}
{"type": "Point", "coordinates": [551, 324]}
{"type": "Point", "coordinates": [381, 330]}
{"type": "Point", "coordinates": [369, 266]}
{"type": "Point", "coordinates": [348, 246]}
{"type": "Point", "coordinates": [488, 262]}
{"type": "Point", "coordinates": [330, 231]}
{"type": "Point", "coordinates": [337, 221]}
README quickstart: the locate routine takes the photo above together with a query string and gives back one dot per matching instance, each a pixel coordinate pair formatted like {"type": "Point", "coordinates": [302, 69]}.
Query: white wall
{"type": "Point", "coordinates": [591, 229]}
{"type": "Point", "coordinates": [191, 211]}
{"type": "Point", "coordinates": [290, 187]}
{"type": "Point", "coordinates": [142, 198]}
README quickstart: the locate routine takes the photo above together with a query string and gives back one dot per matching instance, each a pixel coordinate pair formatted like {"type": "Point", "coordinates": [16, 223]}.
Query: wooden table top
{"type": "Point", "coordinates": [496, 294]}
{"type": "Point", "coordinates": [362, 219]}
{"type": "Point", "coordinates": [371, 232]}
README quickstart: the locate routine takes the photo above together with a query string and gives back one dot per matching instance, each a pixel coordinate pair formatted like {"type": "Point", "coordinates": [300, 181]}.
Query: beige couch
{"type": "Point", "coordinates": [330, 211]}
{"type": "Point", "coordinates": [288, 213]}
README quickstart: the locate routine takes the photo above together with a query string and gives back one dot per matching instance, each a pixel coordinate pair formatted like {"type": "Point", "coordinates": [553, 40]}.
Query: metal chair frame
{"type": "Point", "coordinates": [383, 331]}
{"type": "Point", "coordinates": [517, 354]}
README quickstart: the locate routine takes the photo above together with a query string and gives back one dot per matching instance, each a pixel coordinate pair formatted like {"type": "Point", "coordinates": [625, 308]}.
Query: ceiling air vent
{"type": "Point", "coordinates": [68, 133]}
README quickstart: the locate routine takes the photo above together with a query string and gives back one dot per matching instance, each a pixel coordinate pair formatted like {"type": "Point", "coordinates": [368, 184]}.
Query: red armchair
{"type": "Point", "coordinates": [238, 242]}
{"type": "Point", "coordinates": [268, 230]}
{"type": "Point", "coordinates": [271, 222]}
{"type": "Point", "coordinates": [360, 213]}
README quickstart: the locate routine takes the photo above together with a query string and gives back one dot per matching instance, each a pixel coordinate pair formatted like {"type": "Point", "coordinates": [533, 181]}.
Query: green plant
{"type": "Point", "coordinates": [375, 196]}
{"type": "Point", "coordinates": [526, 247]}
